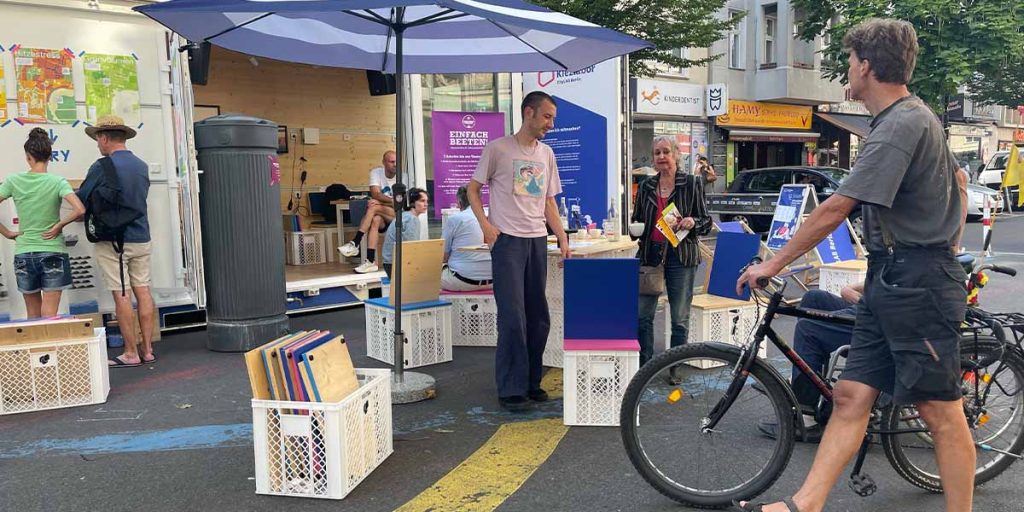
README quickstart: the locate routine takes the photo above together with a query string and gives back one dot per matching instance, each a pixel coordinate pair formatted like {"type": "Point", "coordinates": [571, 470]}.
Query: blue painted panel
{"type": "Point", "coordinates": [601, 298]}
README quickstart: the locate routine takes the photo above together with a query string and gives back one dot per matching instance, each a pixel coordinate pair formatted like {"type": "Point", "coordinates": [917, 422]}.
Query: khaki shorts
{"type": "Point", "coordinates": [136, 264]}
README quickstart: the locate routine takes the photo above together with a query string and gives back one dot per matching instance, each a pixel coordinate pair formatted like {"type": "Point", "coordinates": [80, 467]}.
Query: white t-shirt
{"type": "Point", "coordinates": [378, 178]}
{"type": "Point", "coordinates": [520, 183]}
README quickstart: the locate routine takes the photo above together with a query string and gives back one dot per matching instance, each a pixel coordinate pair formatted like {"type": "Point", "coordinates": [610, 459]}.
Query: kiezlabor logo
{"type": "Point", "coordinates": [545, 78]}
{"type": "Point", "coordinates": [653, 97]}
{"type": "Point", "coordinates": [468, 121]}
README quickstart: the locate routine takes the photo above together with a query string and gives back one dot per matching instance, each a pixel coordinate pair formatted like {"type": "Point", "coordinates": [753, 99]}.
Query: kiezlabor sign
{"type": "Point", "coordinates": [788, 213]}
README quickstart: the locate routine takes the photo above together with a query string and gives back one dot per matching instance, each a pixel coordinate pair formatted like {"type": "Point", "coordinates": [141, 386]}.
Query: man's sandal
{"type": "Point", "coordinates": [751, 507]}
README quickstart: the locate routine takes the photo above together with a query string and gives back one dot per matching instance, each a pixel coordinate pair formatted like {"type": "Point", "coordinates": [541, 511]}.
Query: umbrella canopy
{"type": "Point", "coordinates": [439, 36]}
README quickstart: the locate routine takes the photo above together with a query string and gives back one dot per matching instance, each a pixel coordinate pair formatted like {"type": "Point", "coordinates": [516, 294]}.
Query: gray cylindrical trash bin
{"type": "Point", "coordinates": [243, 247]}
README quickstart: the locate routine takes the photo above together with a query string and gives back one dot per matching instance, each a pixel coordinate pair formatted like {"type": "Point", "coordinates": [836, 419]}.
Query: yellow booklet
{"type": "Point", "coordinates": [671, 225]}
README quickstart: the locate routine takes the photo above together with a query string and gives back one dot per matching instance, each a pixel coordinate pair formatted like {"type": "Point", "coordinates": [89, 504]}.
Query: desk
{"type": "Point", "coordinates": [601, 248]}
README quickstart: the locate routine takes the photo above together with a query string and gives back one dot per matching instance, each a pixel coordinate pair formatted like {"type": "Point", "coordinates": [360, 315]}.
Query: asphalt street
{"type": "Point", "coordinates": [177, 437]}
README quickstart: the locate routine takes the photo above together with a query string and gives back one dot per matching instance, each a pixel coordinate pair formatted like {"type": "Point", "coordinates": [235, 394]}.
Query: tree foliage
{"type": "Point", "coordinates": [961, 41]}
{"type": "Point", "coordinates": [667, 24]}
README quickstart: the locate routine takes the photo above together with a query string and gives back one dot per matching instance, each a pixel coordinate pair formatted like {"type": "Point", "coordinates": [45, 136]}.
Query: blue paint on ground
{"type": "Point", "coordinates": [186, 438]}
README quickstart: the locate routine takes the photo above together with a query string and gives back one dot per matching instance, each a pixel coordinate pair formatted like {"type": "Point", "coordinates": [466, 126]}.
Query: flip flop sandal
{"type": "Point", "coordinates": [149, 361]}
{"type": "Point", "coordinates": [119, 363]}
{"type": "Point", "coordinates": [751, 507]}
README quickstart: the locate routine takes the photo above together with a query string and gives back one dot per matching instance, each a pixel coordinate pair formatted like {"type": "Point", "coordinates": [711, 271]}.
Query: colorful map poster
{"type": "Point", "coordinates": [3, 94]}
{"type": "Point", "coordinates": [111, 87]}
{"type": "Point", "coordinates": [46, 93]}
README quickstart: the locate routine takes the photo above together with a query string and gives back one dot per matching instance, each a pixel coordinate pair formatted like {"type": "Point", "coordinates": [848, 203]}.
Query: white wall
{"type": "Point", "coordinates": [110, 31]}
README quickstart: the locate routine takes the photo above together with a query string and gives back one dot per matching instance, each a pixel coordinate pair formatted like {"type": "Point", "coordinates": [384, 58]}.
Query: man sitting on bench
{"type": "Point", "coordinates": [464, 271]}
{"type": "Point", "coordinates": [379, 213]}
{"type": "Point", "coordinates": [815, 341]}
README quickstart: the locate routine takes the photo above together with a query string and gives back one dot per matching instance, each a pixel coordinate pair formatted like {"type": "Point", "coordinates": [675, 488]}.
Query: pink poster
{"type": "Point", "coordinates": [459, 140]}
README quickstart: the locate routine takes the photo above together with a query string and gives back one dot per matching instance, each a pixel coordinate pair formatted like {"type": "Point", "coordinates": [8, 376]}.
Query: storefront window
{"type": "Point", "coordinates": [475, 92]}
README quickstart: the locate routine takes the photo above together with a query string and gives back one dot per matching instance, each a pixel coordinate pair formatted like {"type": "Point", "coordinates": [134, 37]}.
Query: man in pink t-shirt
{"type": "Point", "coordinates": [523, 179]}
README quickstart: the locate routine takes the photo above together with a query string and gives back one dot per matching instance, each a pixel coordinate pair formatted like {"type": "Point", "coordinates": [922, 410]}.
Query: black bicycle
{"type": "Point", "coordinates": [698, 442]}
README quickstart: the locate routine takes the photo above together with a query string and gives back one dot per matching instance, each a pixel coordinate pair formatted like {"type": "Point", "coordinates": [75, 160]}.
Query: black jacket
{"type": "Point", "coordinates": [688, 197]}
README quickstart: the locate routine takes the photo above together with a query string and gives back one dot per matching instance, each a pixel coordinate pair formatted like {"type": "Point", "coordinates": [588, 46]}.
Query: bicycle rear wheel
{"type": "Point", "coordinates": [661, 426]}
{"type": "Point", "coordinates": [995, 407]}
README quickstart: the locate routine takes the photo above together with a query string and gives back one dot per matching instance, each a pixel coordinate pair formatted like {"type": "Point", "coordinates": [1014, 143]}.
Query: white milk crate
{"type": "Point", "coordinates": [553, 351]}
{"type": "Point", "coordinates": [54, 374]}
{"type": "Point", "coordinates": [427, 327]}
{"type": "Point", "coordinates": [474, 318]}
{"type": "Point", "coordinates": [323, 450]}
{"type": "Point", "coordinates": [834, 277]}
{"type": "Point", "coordinates": [305, 247]}
{"type": "Point", "coordinates": [714, 318]}
{"type": "Point", "coordinates": [330, 241]}
{"type": "Point", "coordinates": [596, 380]}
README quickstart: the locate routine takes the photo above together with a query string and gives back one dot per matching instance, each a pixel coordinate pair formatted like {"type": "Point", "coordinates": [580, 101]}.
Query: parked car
{"type": "Point", "coordinates": [991, 174]}
{"type": "Point", "coordinates": [769, 181]}
{"type": "Point", "coordinates": [826, 181]}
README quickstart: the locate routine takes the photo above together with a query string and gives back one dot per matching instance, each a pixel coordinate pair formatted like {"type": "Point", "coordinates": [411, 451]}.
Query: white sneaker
{"type": "Point", "coordinates": [366, 268]}
{"type": "Point", "coordinates": [348, 250]}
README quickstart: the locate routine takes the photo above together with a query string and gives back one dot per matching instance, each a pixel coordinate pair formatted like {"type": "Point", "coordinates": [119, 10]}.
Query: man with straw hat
{"type": "Point", "coordinates": [131, 175]}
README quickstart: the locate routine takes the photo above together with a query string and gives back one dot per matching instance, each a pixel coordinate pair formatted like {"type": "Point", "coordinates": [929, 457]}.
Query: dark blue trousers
{"type": "Point", "coordinates": [520, 277]}
{"type": "Point", "coordinates": [815, 341]}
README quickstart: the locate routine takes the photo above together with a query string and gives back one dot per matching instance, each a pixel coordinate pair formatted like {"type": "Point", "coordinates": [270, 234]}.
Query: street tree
{"type": "Point", "coordinates": [667, 24]}
{"type": "Point", "coordinates": [960, 40]}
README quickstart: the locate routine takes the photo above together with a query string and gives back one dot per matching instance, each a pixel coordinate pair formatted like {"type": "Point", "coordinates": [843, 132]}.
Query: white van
{"type": "Point", "coordinates": [991, 174]}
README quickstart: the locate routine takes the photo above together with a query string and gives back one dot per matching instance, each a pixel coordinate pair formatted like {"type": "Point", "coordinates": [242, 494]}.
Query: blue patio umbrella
{"type": "Point", "coordinates": [399, 36]}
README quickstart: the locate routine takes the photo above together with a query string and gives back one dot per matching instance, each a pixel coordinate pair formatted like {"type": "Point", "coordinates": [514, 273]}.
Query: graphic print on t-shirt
{"type": "Point", "coordinates": [528, 178]}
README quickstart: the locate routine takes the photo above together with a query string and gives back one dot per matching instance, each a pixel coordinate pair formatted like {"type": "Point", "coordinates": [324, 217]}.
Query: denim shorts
{"type": "Point", "coordinates": [46, 271]}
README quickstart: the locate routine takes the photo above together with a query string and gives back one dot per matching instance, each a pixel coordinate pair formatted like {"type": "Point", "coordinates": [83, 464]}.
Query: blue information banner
{"type": "Point", "coordinates": [581, 152]}
{"type": "Point", "coordinates": [788, 212]}
{"type": "Point", "coordinates": [837, 246]}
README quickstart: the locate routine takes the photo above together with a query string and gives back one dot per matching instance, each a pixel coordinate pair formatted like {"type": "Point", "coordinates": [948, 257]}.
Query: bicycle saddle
{"type": "Point", "coordinates": [966, 261]}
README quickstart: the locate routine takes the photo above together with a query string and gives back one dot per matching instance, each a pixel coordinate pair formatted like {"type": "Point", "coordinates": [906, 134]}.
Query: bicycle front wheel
{"type": "Point", "coordinates": [994, 406]}
{"type": "Point", "coordinates": [662, 424]}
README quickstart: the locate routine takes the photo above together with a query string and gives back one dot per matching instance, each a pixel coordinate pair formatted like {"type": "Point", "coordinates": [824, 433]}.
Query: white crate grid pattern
{"type": "Point", "coordinates": [595, 382]}
{"type": "Point", "coordinates": [428, 335]}
{"type": "Point", "coordinates": [833, 280]}
{"type": "Point", "coordinates": [733, 326]}
{"type": "Point", "coordinates": [474, 320]}
{"type": "Point", "coordinates": [322, 450]}
{"type": "Point", "coordinates": [554, 350]}
{"type": "Point", "coordinates": [306, 247]}
{"type": "Point", "coordinates": [52, 375]}
{"type": "Point", "coordinates": [331, 243]}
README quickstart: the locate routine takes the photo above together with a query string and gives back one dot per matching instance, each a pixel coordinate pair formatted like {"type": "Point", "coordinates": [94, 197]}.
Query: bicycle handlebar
{"type": "Point", "coordinates": [1002, 270]}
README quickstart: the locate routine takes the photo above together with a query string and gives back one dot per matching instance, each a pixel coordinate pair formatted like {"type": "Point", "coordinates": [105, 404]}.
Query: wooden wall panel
{"type": "Point", "coordinates": [355, 128]}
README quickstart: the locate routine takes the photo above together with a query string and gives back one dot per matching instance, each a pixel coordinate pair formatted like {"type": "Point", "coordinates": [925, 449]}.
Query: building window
{"type": "Point", "coordinates": [803, 51]}
{"type": "Point", "coordinates": [664, 69]}
{"type": "Point", "coordinates": [771, 26]}
{"type": "Point", "coordinates": [736, 41]}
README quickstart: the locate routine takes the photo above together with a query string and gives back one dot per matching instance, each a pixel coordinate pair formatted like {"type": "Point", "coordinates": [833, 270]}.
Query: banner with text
{"type": "Point", "coordinates": [459, 140]}
{"type": "Point", "coordinates": [586, 139]}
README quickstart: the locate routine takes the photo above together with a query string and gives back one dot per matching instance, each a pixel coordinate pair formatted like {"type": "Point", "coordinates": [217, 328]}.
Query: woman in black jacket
{"type": "Point", "coordinates": [654, 194]}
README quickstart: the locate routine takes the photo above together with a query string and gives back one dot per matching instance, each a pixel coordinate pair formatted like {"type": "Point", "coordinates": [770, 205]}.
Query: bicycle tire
{"type": "Point", "coordinates": [783, 404]}
{"type": "Point", "coordinates": [897, 455]}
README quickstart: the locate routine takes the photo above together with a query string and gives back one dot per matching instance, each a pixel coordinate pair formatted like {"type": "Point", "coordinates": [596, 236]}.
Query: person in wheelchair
{"type": "Point", "coordinates": [815, 341]}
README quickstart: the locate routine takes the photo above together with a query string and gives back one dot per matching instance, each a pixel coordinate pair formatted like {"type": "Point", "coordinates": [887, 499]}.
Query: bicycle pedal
{"type": "Point", "coordinates": [863, 485]}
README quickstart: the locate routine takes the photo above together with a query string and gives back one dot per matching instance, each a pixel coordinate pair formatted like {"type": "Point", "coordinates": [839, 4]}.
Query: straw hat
{"type": "Point", "coordinates": [109, 123]}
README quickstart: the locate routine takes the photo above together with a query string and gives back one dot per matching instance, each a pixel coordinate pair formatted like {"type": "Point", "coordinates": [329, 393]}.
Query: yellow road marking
{"type": "Point", "coordinates": [552, 383]}
{"type": "Point", "coordinates": [494, 472]}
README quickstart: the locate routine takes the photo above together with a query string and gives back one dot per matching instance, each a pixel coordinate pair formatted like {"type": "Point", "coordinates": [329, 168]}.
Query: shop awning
{"type": "Point", "coordinates": [772, 136]}
{"type": "Point", "coordinates": [857, 125]}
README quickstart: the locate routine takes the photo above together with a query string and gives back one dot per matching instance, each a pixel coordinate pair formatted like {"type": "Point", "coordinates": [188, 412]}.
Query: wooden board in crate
{"type": "Point", "coordinates": [46, 330]}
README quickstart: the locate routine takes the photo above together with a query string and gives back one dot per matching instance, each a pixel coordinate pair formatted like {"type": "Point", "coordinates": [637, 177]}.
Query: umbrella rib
{"type": "Point", "coordinates": [434, 18]}
{"type": "Point", "coordinates": [373, 19]}
{"type": "Point", "coordinates": [236, 27]}
{"type": "Point", "coordinates": [534, 48]}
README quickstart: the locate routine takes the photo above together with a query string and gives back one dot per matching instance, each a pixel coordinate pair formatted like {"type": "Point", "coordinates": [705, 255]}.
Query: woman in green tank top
{"type": "Point", "coordinates": [41, 262]}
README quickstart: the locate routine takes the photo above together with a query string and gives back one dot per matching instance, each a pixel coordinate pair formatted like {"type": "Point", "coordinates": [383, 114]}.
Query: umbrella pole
{"type": "Point", "coordinates": [406, 387]}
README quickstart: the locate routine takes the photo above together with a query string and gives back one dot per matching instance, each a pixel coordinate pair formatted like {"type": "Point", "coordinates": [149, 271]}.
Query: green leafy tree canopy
{"type": "Point", "coordinates": [667, 24]}
{"type": "Point", "coordinates": [960, 40]}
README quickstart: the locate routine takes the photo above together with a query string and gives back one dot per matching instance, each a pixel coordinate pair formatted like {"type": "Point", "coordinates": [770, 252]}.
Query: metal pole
{"type": "Point", "coordinates": [399, 197]}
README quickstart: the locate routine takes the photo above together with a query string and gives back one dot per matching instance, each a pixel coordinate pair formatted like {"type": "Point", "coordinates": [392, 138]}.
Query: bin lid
{"type": "Point", "coordinates": [236, 131]}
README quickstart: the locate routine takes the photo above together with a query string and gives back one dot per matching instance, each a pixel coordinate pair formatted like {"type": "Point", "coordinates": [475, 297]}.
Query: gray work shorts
{"type": "Point", "coordinates": [907, 336]}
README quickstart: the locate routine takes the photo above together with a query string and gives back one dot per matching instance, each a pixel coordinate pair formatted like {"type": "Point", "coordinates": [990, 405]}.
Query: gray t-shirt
{"type": "Point", "coordinates": [905, 177]}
